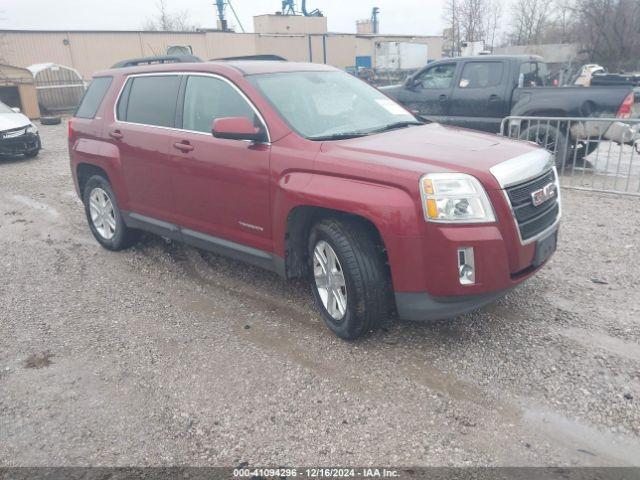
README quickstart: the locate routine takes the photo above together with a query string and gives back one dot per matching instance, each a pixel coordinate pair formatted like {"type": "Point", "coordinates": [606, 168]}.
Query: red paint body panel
{"type": "Point", "coordinates": [244, 192]}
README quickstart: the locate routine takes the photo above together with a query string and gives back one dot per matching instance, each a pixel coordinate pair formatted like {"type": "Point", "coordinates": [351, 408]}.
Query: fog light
{"type": "Point", "coordinates": [466, 266]}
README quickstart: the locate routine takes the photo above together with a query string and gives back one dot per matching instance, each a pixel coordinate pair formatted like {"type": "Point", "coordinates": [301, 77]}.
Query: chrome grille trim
{"type": "Point", "coordinates": [522, 168]}
{"type": "Point", "coordinates": [544, 209]}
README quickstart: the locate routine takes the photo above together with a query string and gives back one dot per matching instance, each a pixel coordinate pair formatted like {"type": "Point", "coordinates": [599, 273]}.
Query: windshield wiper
{"type": "Point", "coordinates": [355, 134]}
{"type": "Point", "coordinates": [395, 125]}
{"type": "Point", "coordinates": [340, 136]}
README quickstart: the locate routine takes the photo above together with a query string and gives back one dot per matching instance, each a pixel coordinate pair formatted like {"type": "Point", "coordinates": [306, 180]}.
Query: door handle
{"type": "Point", "coordinates": [183, 146]}
{"type": "Point", "coordinates": [443, 98]}
{"type": "Point", "coordinates": [116, 134]}
{"type": "Point", "coordinates": [493, 98]}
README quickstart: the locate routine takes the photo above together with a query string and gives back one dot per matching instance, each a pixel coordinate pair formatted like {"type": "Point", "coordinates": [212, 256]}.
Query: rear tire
{"type": "Point", "coordinates": [358, 276]}
{"type": "Point", "coordinates": [104, 217]}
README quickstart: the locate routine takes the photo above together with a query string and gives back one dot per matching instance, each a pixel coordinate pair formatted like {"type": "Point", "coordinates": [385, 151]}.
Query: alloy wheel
{"type": "Point", "coordinates": [102, 213]}
{"type": "Point", "coordinates": [329, 280]}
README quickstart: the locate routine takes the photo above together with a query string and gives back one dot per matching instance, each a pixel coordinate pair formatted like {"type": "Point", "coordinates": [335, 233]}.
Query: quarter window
{"type": "Point", "coordinates": [208, 98]}
{"type": "Point", "coordinates": [152, 100]}
{"type": "Point", "coordinates": [93, 97]}
{"type": "Point", "coordinates": [481, 75]}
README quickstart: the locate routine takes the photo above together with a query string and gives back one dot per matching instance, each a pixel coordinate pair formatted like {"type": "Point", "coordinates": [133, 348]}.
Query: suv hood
{"type": "Point", "coordinates": [430, 148]}
{"type": "Point", "coordinates": [13, 120]}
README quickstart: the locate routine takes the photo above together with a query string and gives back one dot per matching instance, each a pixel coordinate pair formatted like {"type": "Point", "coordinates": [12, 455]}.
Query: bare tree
{"type": "Point", "coordinates": [609, 31]}
{"type": "Point", "coordinates": [471, 21]}
{"type": "Point", "coordinates": [492, 23]}
{"type": "Point", "coordinates": [452, 32]}
{"type": "Point", "coordinates": [472, 15]}
{"type": "Point", "coordinates": [168, 21]}
{"type": "Point", "coordinates": [531, 18]}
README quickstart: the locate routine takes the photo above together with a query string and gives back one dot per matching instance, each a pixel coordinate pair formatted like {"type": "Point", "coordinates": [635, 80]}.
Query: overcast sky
{"type": "Point", "coordinates": [421, 17]}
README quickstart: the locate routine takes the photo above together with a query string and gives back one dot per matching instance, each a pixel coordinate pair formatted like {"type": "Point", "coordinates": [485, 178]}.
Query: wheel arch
{"type": "Point", "coordinates": [84, 171]}
{"type": "Point", "coordinates": [301, 219]}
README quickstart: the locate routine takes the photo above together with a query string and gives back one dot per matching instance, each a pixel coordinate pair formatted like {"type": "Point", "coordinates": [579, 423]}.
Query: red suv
{"type": "Point", "coordinates": [307, 171]}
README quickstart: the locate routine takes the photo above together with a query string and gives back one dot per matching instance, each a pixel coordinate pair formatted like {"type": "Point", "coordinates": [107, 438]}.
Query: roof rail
{"type": "Point", "coordinates": [134, 62]}
{"type": "Point", "coordinates": [272, 58]}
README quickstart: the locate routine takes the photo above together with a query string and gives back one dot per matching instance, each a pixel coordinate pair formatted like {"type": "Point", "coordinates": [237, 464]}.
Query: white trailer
{"type": "Point", "coordinates": [401, 55]}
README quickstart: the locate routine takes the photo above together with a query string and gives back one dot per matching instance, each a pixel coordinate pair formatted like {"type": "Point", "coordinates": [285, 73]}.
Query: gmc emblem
{"type": "Point", "coordinates": [545, 193]}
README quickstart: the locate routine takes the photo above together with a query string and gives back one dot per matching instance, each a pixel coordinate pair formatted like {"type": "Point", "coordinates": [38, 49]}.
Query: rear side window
{"type": "Point", "coordinates": [93, 97]}
{"type": "Point", "coordinates": [151, 100]}
{"type": "Point", "coordinates": [481, 75]}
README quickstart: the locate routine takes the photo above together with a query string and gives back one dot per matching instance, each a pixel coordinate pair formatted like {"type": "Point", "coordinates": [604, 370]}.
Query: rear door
{"type": "Point", "coordinates": [145, 114]}
{"type": "Point", "coordinates": [480, 97]}
{"type": "Point", "coordinates": [430, 91]}
{"type": "Point", "coordinates": [221, 186]}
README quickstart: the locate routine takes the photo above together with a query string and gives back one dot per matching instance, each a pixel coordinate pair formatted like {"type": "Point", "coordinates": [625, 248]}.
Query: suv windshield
{"type": "Point", "coordinates": [330, 105]}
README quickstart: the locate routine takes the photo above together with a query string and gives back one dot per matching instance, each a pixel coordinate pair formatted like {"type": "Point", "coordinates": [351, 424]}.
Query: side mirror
{"type": "Point", "coordinates": [410, 81]}
{"type": "Point", "coordinates": [237, 128]}
{"type": "Point", "coordinates": [15, 109]}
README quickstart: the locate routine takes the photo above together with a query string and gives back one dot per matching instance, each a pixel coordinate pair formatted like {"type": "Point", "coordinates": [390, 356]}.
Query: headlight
{"type": "Point", "coordinates": [32, 129]}
{"type": "Point", "coordinates": [455, 198]}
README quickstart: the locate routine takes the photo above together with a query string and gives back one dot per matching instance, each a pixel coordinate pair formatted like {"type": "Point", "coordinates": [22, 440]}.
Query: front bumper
{"type": "Point", "coordinates": [420, 306]}
{"type": "Point", "coordinates": [24, 144]}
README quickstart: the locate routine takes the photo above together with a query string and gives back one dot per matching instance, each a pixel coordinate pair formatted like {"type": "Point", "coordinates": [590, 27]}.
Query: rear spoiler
{"type": "Point", "coordinates": [134, 62]}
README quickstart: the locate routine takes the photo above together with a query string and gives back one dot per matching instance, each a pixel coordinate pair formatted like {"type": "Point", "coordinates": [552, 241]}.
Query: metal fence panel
{"type": "Point", "coordinates": [598, 154]}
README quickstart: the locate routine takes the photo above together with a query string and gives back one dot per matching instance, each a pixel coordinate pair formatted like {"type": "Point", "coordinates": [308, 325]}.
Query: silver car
{"type": "Point", "coordinates": [18, 136]}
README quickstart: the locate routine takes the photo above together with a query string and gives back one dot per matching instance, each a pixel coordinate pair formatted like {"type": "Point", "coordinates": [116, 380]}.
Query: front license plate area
{"type": "Point", "coordinates": [545, 248]}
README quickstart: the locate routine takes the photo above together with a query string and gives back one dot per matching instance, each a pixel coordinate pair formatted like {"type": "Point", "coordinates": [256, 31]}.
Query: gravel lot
{"type": "Point", "coordinates": [166, 355]}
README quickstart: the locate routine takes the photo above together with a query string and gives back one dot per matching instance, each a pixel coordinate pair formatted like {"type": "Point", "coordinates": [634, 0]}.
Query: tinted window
{"type": "Point", "coordinates": [438, 76]}
{"type": "Point", "coordinates": [208, 98]}
{"type": "Point", "coordinates": [152, 100]}
{"type": "Point", "coordinates": [93, 97]}
{"type": "Point", "coordinates": [481, 75]}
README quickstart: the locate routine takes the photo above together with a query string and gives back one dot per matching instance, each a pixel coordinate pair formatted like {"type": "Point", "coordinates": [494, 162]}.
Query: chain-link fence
{"type": "Point", "coordinates": [599, 154]}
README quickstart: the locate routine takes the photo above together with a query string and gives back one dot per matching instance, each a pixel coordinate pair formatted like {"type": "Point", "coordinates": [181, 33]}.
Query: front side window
{"type": "Point", "coordinates": [151, 101]}
{"type": "Point", "coordinates": [93, 97]}
{"type": "Point", "coordinates": [327, 104]}
{"type": "Point", "coordinates": [438, 76]}
{"type": "Point", "coordinates": [208, 98]}
{"type": "Point", "coordinates": [481, 75]}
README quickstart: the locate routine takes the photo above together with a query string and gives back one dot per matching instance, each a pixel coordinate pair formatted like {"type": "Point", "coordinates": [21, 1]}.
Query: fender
{"type": "Point", "coordinates": [391, 210]}
{"type": "Point", "coordinates": [105, 156]}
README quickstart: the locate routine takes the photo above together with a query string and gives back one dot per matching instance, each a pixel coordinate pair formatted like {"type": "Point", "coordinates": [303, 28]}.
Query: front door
{"type": "Point", "coordinates": [430, 91]}
{"type": "Point", "coordinates": [221, 186]}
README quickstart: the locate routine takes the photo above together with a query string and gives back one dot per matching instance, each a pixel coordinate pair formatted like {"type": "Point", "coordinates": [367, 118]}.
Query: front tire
{"type": "Point", "coordinates": [348, 277]}
{"type": "Point", "coordinates": [104, 217]}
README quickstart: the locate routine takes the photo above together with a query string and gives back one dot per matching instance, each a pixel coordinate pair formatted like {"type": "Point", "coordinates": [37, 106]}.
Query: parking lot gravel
{"type": "Point", "coordinates": [164, 354]}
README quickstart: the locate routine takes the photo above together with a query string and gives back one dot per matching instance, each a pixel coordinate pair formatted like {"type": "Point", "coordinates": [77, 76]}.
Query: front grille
{"type": "Point", "coordinates": [14, 132]}
{"type": "Point", "coordinates": [533, 219]}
